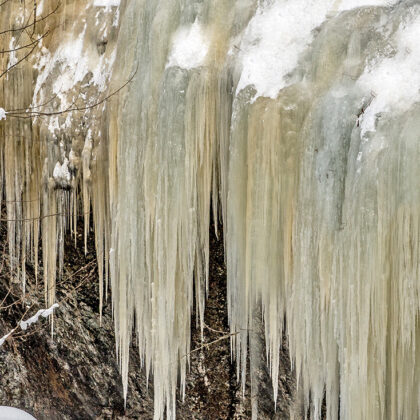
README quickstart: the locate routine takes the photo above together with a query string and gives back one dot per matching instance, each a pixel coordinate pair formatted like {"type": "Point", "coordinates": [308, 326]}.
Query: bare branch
{"type": "Point", "coordinates": [33, 114]}
{"type": "Point", "coordinates": [224, 337]}
{"type": "Point", "coordinates": [18, 62]}
{"type": "Point", "coordinates": [215, 331]}
{"type": "Point", "coordinates": [40, 217]}
{"type": "Point", "coordinates": [28, 25]}
{"type": "Point", "coordinates": [32, 218]}
{"type": "Point", "coordinates": [16, 334]}
{"type": "Point", "coordinates": [4, 2]}
{"type": "Point", "coordinates": [37, 106]}
{"type": "Point", "coordinates": [35, 7]}
{"type": "Point", "coordinates": [21, 201]}
{"type": "Point", "coordinates": [25, 46]}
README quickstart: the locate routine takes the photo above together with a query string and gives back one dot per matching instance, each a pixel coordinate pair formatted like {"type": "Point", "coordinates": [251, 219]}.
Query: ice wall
{"type": "Point", "coordinates": [322, 211]}
{"type": "Point", "coordinates": [295, 123]}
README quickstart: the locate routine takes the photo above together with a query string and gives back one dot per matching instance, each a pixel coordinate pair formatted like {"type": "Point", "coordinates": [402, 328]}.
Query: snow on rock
{"type": "Point", "coordinates": [278, 34]}
{"type": "Point", "coordinates": [352, 4]}
{"type": "Point", "coordinates": [61, 173]}
{"type": "Point", "coordinates": [73, 65]}
{"type": "Point", "coordinates": [100, 77]}
{"type": "Point", "coordinates": [106, 3]}
{"type": "Point", "coordinates": [45, 313]}
{"type": "Point", "coordinates": [189, 47]}
{"type": "Point", "coordinates": [2, 114]}
{"type": "Point", "coordinates": [40, 8]}
{"type": "Point", "coordinates": [69, 65]}
{"type": "Point", "coordinates": [395, 79]}
{"type": "Point", "coordinates": [11, 413]}
{"type": "Point", "coordinates": [12, 55]}
{"type": "Point", "coordinates": [4, 338]}
{"type": "Point", "coordinates": [274, 40]}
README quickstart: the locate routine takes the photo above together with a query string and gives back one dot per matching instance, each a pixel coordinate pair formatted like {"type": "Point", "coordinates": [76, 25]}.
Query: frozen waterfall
{"type": "Point", "coordinates": [296, 123]}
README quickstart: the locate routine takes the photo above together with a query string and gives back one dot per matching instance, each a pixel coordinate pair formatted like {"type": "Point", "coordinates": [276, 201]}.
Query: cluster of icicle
{"type": "Point", "coordinates": [47, 163]}
{"type": "Point", "coordinates": [295, 123]}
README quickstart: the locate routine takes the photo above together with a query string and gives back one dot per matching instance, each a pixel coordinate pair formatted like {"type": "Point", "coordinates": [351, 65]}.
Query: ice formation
{"type": "Point", "coordinates": [295, 123]}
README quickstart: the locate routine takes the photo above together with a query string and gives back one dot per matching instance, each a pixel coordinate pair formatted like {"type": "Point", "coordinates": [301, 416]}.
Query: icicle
{"type": "Point", "coordinates": [164, 135]}
{"type": "Point", "coordinates": [86, 155]}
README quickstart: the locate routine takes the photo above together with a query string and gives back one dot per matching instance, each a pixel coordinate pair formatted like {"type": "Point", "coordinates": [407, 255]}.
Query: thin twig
{"type": "Point", "coordinates": [211, 343]}
{"type": "Point", "coordinates": [18, 62]}
{"type": "Point", "coordinates": [31, 24]}
{"type": "Point", "coordinates": [27, 45]}
{"type": "Point", "coordinates": [212, 329]}
{"type": "Point", "coordinates": [21, 201]}
{"type": "Point", "coordinates": [31, 218]}
{"type": "Point", "coordinates": [37, 106]}
{"type": "Point", "coordinates": [33, 114]}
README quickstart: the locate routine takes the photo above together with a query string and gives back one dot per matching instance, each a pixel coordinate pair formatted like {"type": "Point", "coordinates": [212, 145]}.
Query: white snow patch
{"type": "Point", "coordinates": [353, 4]}
{"type": "Point", "coordinates": [189, 47]}
{"type": "Point", "coordinates": [45, 313]}
{"type": "Point", "coordinates": [116, 18]}
{"type": "Point", "coordinates": [2, 114]}
{"type": "Point", "coordinates": [10, 413]}
{"type": "Point", "coordinates": [73, 59]}
{"type": "Point", "coordinates": [100, 77]}
{"type": "Point", "coordinates": [25, 324]}
{"type": "Point", "coordinates": [278, 34]}
{"type": "Point", "coordinates": [4, 338]}
{"type": "Point", "coordinates": [73, 67]}
{"type": "Point", "coordinates": [106, 3]}
{"type": "Point", "coordinates": [12, 55]}
{"type": "Point", "coordinates": [61, 172]}
{"type": "Point", "coordinates": [40, 8]}
{"type": "Point", "coordinates": [395, 80]}
{"type": "Point", "coordinates": [53, 124]}
{"type": "Point", "coordinates": [72, 157]}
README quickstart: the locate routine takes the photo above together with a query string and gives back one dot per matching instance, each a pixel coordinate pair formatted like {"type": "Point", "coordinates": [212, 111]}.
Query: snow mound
{"type": "Point", "coordinates": [10, 413]}
{"type": "Point", "coordinates": [189, 47]}
{"type": "Point", "coordinates": [396, 79]}
{"type": "Point", "coordinates": [278, 34]}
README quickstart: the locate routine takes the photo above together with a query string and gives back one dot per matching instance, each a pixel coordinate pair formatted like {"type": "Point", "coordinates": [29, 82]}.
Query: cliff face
{"type": "Point", "coordinates": [294, 124]}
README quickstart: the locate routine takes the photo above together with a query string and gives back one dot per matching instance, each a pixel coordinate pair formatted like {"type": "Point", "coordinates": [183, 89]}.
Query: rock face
{"type": "Point", "coordinates": [74, 373]}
